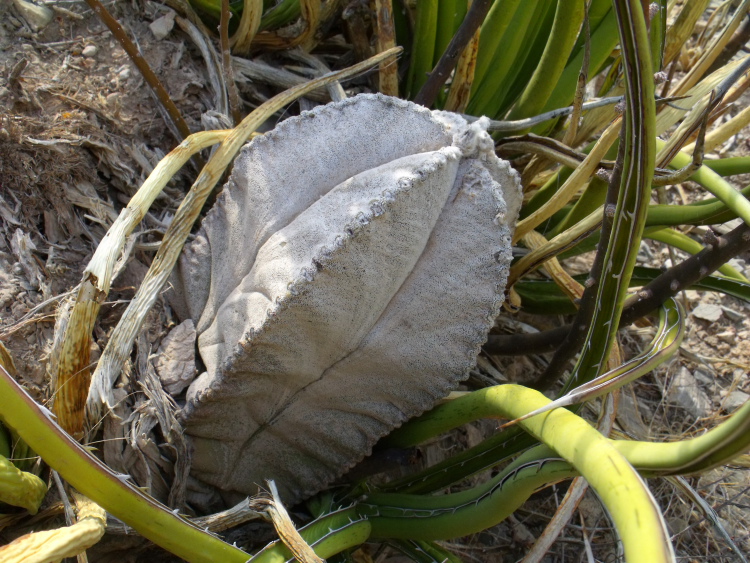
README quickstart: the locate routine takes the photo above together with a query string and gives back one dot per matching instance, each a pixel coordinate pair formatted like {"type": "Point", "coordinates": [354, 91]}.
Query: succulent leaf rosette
{"type": "Point", "coordinates": [343, 282]}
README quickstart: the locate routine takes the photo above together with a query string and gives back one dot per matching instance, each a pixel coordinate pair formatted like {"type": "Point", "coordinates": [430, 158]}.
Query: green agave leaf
{"type": "Point", "coordinates": [680, 240]}
{"type": "Point", "coordinates": [604, 39]}
{"type": "Point", "coordinates": [545, 297]}
{"type": "Point", "coordinates": [274, 16]}
{"type": "Point", "coordinates": [498, 21]}
{"type": "Point", "coordinates": [521, 41]}
{"type": "Point", "coordinates": [547, 70]}
{"type": "Point", "coordinates": [423, 46]}
{"type": "Point", "coordinates": [283, 13]}
{"type": "Point", "coordinates": [598, 10]}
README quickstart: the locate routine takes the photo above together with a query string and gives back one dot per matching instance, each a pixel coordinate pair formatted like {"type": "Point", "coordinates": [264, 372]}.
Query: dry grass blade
{"type": "Point", "coordinates": [710, 514]}
{"type": "Point", "coordinates": [55, 545]}
{"type": "Point", "coordinates": [563, 279]}
{"type": "Point", "coordinates": [241, 41]}
{"type": "Point", "coordinates": [121, 342]}
{"type": "Point", "coordinates": [671, 114]}
{"type": "Point", "coordinates": [682, 28]}
{"type": "Point", "coordinates": [335, 90]}
{"type": "Point", "coordinates": [211, 60]}
{"type": "Point", "coordinates": [463, 77]}
{"type": "Point", "coordinates": [558, 244]}
{"type": "Point", "coordinates": [239, 514]}
{"type": "Point", "coordinates": [697, 118]}
{"type": "Point", "coordinates": [249, 71]}
{"type": "Point", "coordinates": [287, 532]}
{"type": "Point", "coordinates": [672, 147]}
{"type": "Point", "coordinates": [545, 147]}
{"type": "Point", "coordinates": [712, 51]}
{"type": "Point", "coordinates": [71, 373]}
{"type": "Point", "coordinates": [574, 183]}
{"type": "Point", "coordinates": [724, 132]}
{"type": "Point", "coordinates": [216, 523]}
{"type": "Point", "coordinates": [299, 33]}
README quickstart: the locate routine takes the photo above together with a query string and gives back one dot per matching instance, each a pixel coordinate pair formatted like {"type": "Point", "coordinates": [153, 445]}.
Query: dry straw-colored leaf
{"type": "Point", "coordinates": [54, 545]}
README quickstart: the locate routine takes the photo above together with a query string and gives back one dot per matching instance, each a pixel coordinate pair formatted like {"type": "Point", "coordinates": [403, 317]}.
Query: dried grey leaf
{"type": "Point", "coordinates": [343, 282]}
{"type": "Point", "coordinates": [175, 359]}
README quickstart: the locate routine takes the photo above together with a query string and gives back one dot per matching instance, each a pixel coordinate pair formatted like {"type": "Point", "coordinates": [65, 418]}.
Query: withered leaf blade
{"type": "Point", "coordinates": [342, 284]}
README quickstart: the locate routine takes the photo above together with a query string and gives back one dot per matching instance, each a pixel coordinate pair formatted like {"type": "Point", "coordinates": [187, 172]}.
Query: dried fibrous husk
{"type": "Point", "coordinates": [343, 282]}
{"type": "Point", "coordinates": [55, 545]}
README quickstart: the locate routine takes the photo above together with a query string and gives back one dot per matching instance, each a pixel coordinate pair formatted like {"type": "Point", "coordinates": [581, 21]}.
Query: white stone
{"type": "Point", "coordinates": [38, 17]}
{"type": "Point", "coordinates": [735, 400]}
{"type": "Point", "coordinates": [162, 26]}
{"type": "Point", "coordinates": [685, 392]}
{"type": "Point", "coordinates": [90, 51]}
{"type": "Point", "coordinates": [707, 312]}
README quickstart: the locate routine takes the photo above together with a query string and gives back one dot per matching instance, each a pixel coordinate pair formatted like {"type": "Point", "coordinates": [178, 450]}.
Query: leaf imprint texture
{"type": "Point", "coordinates": [342, 284]}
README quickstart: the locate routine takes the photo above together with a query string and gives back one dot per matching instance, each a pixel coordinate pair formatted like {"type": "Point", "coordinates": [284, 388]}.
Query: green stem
{"type": "Point", "coordinates": [707, 212]}
{"type": "Point", "coordinates": [716, 185]}
{"type": "Point", "coordinates": [92, 478]}
{"type": "Point", "coordinates": [729, 166]}
{"type": "Point", "coordinates": [420, 517]}
{"type": "Point", "coordinates": [687, 244]}
{"type": "Point", "coordinates": [636, 517]}
{"type": "Point", "coordinates": [328, 535]}
{"type": "Point", "coordinates": [716, 447]}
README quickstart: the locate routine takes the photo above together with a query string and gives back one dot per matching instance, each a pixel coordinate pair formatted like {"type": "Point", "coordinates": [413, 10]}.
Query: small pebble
{"type": "Point", "coordinates": [124, 73]}
{"type": "Point", "coordinates": [705, 377]}
{"type": "Point", "coordinates": [685, 392]}
{"type": "Point", "coordinates": [727, 336]}
{"type": "Point", "coordinates": [38, 17]}
{"type": "Point", "coordinates": [162, 26]}
{"type": "Point", "coordinates": [90, 51]}
{"type": "Point", "coordinates": [735, 400]}
{"type": "Point", "coordinates": [692, 295]}
{"type": "Point", "coordinates": [732, 314]}
{"type": "Point", "coordinates": [707, 312]}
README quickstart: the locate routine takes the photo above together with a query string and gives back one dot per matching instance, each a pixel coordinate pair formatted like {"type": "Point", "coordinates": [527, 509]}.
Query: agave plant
{"type": "Point", "coordinates": [593, 177]}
